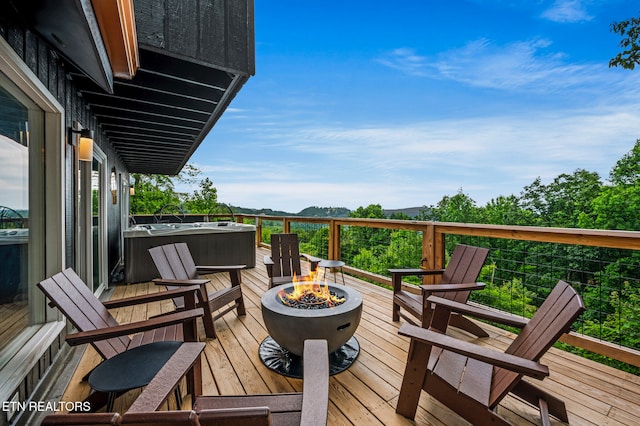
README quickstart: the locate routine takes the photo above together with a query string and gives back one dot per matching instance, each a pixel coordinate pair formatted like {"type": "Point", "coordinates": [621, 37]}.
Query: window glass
{"type": "Point", "coordinates": [14, 214]}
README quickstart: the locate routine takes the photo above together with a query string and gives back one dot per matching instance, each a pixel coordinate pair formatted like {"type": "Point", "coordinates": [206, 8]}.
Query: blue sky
{"type": "Point", "coordinates": [400, 103]}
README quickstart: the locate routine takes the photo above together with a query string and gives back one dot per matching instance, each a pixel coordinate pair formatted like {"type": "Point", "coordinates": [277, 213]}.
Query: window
{"type": "Point", "coordinates": [32, 193]}
{"type": "Point", "coordinates": [17, 114]}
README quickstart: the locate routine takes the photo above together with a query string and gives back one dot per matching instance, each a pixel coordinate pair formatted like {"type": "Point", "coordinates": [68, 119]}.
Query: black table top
{"type": "Point", "coordinates": [133, 368]}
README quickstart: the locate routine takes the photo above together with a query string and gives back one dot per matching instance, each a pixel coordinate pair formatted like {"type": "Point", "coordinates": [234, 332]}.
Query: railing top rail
{"type": "Point", "coordinates": [588, 237]}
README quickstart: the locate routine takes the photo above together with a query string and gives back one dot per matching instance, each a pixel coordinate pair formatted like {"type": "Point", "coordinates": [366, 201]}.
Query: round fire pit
{"type": "Point", "coordinates": [290, 326]}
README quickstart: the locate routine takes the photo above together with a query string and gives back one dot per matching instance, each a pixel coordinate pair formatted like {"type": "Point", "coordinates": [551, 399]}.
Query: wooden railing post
{"type": "Point", "coordinates": [258, 231]}
{"type": "Point", "coordinates": [334, 241]}
{"type": "Point", "coordinates": [286, 226]}
{"type": "Point", "coordinates": [429, 257]}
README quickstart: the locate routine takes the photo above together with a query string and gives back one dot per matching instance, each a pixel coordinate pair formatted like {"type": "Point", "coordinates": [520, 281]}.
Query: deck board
{"type": "Point", "coordinates": [367, 392]}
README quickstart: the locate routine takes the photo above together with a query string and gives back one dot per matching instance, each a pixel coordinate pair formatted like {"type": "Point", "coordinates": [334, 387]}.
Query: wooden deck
{"type": "Point", "coordinates": [366, 394]}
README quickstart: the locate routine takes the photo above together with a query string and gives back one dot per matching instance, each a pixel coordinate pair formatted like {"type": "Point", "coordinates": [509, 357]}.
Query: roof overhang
{"type": "Point", "coordinates": [156, 120]}
{"type": "Point", "coordinates": [71, 28]}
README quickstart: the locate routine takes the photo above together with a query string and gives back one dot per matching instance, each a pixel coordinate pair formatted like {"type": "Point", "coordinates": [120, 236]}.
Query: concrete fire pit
{"type": "Point", "coordinates": [290, 326]}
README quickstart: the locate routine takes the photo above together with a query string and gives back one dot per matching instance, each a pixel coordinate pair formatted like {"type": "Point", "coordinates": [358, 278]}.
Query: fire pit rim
{"type": "Point", "coordinates": [271, 301]}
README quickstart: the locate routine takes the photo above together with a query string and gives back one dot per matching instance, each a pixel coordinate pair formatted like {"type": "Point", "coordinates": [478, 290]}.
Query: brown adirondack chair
{"type": "Point", "coordinates": [308, 408]}
{"type": "Point", "coordinates": [177, 268]}
{"type": "Point", "coordinates": [456, 283]}
{"type": "Point", "coordinates": [158, 418]}
{"type": "Point", "coordinates": [98, 327]}
{"type": "Point", "coordinates": [284, 261]}
{"type": "Point", "coordinates": [472, 380]}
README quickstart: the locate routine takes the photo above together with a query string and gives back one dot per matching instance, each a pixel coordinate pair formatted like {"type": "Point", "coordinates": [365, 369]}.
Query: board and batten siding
{"type": "Point", "coordinates": [220, 37]}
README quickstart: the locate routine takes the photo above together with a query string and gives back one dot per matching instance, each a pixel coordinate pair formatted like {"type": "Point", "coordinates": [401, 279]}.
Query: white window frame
{"type": "Point", "coordinates": [26, 350]}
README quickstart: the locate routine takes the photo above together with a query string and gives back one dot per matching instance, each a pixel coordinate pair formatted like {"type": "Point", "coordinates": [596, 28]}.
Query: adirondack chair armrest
{"type": "Point", "coordinates": [166, 380]}
{"type": "Point", "coordinates": [81, 419]}
{"type": "Point", "coordinates": [415, 271]}
{"type": "Point", "coordinates": [195, 282]}
{"type": "Point", "coordinates": [179, 417]}
{"type": "Point", "coordinates": [83, 337]}
{"type": "Point", "coordinates": [499, 359]}
{"type": "Point", "coordinates": [153, 297]}
{"type": "Point", "coordinates": [313, 260]}
{"type": "Point", "coordinates": [431, 288]}
{"type": "Point", "coordinates": [239, 415]}
{"type": "Point", "coordinates": [206, 269]}
{"type": "Point", "coordinates": [315, 386]}
{"type": "Point", "coordinates": [476, 312]}
{"type": "Point", "coordinates": [268, 262]}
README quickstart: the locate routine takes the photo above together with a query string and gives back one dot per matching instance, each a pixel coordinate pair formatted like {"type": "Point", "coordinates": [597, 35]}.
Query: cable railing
{"type": "Point", "coordinates": [524, 264]}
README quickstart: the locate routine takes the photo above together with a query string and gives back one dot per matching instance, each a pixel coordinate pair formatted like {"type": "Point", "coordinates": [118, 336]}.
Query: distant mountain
{"type": "Point", "coordinates": [313, 211]}
{"type": "Point", "coordinates": [325, 212]}
{"type": "Point", "coordinates": [268, 212]}
{"type": "Point", "coordinates": [409, 211]}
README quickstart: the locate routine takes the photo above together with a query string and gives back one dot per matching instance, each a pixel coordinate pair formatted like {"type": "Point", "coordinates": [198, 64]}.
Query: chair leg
{"type": "Point", "coordinates": [533, 395]}
{"type": "Point", "coordinates": [207, 318]}
{"type": "Point", "coordinates": [396, 282]}
{"type": "Point", "coordinates": [395, 315]}
{"type": "Point", "coordinates": [236, 278]}
{"type": "Point", "coordinates": [413, 379]}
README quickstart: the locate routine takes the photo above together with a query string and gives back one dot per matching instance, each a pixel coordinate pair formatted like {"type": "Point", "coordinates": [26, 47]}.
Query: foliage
{"type": "Point", "coordinates": [509, 296]}
{"type": "Point", "coordinates": [519, 274]}
{"type": "Point", "coordinates": [563, 201]}
{"type": "Point", "coordinates": [630, 32]}
{"type": "Point", "coordinates": [627, 169]}
{"type": "Point", "coordinates": [203, 200]}
{"type": "Point", "coordinates": [457, 208]}
{"type": "Point", "coordinates": [153, 192]}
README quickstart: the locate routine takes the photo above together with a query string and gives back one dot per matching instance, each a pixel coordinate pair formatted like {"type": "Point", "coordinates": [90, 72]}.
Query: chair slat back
{"type": "Point", "coordinates": [464, 266]}
{"type": "Point", "coordinates": [285, 253]}
{"type": "Point", "coordinates": [174, 261]}
{"type": "Point", "coordinates": [553, 318]}
{"type": "Point", "coordinates": [82, 308]}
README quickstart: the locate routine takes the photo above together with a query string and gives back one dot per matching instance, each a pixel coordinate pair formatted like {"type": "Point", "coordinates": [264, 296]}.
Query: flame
{"type": "Point", "coordinates": [307, 286]}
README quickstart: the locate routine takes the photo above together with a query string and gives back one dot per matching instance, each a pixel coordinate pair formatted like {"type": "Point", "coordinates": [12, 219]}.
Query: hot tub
{"type": "Point", "coordinates": [210, 243]}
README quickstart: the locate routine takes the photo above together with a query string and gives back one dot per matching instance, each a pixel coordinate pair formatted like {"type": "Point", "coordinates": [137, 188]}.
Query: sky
{"type": "Point", "coordinates": [401, 103]}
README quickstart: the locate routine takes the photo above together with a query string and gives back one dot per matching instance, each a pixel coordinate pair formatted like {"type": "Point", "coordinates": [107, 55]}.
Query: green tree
{"type": "Point", "coordinates": [616, 205]}
{"type": "Point", "coordinates": [452, 208]}
{"type": "Point", "coordinates": [630, 32]}
{"type": "Point", "coordinates": [626, 171]}
{"type": "Point", "coordinates": [153, 192]}
{"type": "Point", "coordinates": [615, 208]}
{"type": "Point", "coordinates": [203, 200]}
{"type": "Point", "coordinates": [375, 239]}
{"type": "Point", "coordinates": [562, 201]}
{"type": "Point", "coordinates": [506, 211]}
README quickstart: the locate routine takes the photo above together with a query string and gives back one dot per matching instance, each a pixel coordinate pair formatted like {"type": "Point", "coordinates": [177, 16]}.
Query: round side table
{"type": "Point", "coordinates": [333, 264]}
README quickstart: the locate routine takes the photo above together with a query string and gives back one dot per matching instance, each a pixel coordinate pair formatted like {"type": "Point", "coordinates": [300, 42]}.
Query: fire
{"type": "Point", "coordinates": [307, 292]}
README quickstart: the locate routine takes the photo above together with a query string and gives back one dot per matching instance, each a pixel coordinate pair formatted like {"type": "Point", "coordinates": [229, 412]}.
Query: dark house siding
{"type": "Point", "coordinates": [222, 35]}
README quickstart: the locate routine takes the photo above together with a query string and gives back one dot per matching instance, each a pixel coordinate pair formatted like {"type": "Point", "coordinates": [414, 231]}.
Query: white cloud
{"type": "Point", "coordinates": [567, 11]}
{"type": "Point", "coordinates": [529, 65]}
{"type": "Point", "coordinates": [416, 164]}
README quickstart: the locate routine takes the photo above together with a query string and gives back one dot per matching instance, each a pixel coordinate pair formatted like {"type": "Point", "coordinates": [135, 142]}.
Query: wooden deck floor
{"type": "Point", "coordinates": [366, 394]}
